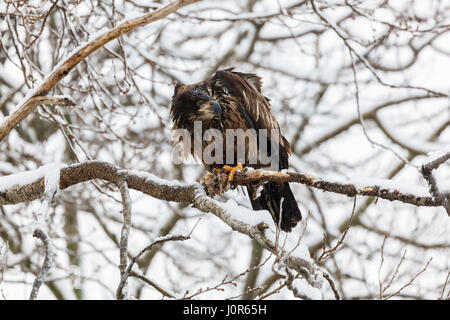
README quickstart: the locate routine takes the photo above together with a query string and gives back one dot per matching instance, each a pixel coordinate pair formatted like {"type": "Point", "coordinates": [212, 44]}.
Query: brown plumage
{"type": "Point", "coordinates": [234, 100]}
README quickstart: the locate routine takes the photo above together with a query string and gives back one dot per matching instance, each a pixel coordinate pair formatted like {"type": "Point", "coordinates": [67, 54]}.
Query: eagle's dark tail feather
{"type": "Point", "coordinates": [273, 196]}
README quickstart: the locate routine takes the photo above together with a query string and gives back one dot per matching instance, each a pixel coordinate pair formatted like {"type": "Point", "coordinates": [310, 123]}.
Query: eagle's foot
{"type": "Point", "coordinates": [232, 170]}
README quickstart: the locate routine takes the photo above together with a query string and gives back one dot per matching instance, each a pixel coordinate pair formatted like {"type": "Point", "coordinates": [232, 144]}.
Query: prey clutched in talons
{"type": "Point", "coordinates": [221, 180]}
{"type": "Point", "coordinates": [216, 182]}
{"type": "Point", "coordinates": [211, 175]}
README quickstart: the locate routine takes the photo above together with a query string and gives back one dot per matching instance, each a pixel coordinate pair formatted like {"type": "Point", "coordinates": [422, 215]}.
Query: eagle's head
{"type": "Point", "coordinates": [193, 103]}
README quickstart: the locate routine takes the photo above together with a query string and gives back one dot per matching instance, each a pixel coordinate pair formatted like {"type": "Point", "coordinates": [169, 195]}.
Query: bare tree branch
{"type": "Point", "coordinates": [46, 265]}
{"type": "Point", "coordinates": [433, 187]}
{"type": "Point", "coordinates": [126, 201]}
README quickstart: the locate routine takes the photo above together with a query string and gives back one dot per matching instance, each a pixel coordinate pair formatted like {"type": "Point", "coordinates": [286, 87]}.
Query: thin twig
{"type": "Point", "coordinates": [444, 286]}
{"type": "Point", "coordinates": [380, 283]}
{"type": "Point", "coordinates": [410, 281]}
{"type": "Point", "coordinates": [332, 285]}
{"type": "Point", "coordinates": [47, 264]}
{"type": "Point", "coordinates": [326, 253]}
{"type": "Point", "coordinates": [152, 283]}
{"type": "Point", "coordinates": [151, 246]}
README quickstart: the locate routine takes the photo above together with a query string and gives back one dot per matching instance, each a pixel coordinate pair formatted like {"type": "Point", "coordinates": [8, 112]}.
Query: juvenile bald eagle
{"type": "Point", "coordinates": [234, 100]}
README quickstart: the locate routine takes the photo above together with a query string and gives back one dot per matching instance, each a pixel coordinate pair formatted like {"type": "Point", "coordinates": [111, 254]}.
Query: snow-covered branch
{"type": "Point", "coordinates": [34, 188]}
{"type": "Point", "coordinates": [384, 189]}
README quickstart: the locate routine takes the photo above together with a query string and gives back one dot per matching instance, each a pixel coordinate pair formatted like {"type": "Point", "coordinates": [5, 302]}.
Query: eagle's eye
{"type": "Point", "coordinates": [198, 91]}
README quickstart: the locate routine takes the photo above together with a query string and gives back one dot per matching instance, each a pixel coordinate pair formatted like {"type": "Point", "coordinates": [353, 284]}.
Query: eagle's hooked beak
{"type": "Point", "coordinates": [216, 108]}
{"type": "Point", "coordinates": [211, 106]}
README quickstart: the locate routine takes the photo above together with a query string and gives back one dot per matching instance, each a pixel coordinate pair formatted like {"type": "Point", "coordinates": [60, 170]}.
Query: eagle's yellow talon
{"type": "Point", "coordinates": [232, 170]}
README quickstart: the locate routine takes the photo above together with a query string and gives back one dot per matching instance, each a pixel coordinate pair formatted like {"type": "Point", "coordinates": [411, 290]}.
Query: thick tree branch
{"type": "Point", "coordinates": [175, 191]}
{"type": "Point", "coordinates": [348, 189]}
